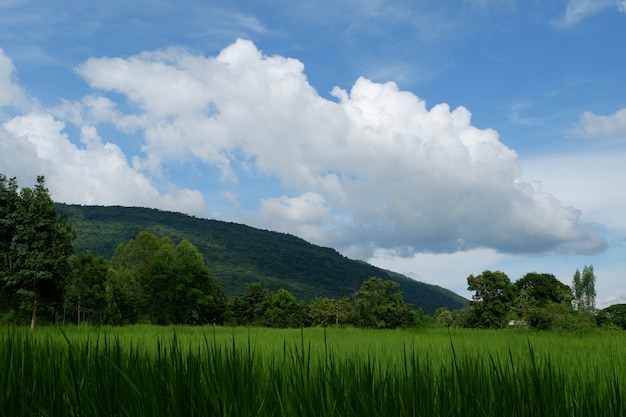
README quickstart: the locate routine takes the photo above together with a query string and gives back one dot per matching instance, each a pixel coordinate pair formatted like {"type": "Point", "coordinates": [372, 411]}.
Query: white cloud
{"type": "Point", "coordinates": [392, 173]}
{"type": "Point", "coordinates": [612, 126]}
{"type": "Point", "coordinates": [308, 213]}
{"type": "Point", "coordinates": [34, 144]}
{"type": "Point", "coordinates": [578, 10]}
{"type": "Point", "coordinates": [10, 93]}
{"type": "Point", "coordinates": [587, 181]}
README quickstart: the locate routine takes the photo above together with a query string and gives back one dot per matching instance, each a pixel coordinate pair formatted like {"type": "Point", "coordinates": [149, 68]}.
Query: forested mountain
{"type": "Point", "coordinates": [238, 254]}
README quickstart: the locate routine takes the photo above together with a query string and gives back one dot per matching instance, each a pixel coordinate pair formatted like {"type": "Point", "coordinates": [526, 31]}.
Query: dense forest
{"type": "Point", "coordinates": [116, 265]}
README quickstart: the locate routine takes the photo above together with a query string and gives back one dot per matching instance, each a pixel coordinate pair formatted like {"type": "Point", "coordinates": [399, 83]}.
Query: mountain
{"type": "Point", "coordinates": [238, 254]}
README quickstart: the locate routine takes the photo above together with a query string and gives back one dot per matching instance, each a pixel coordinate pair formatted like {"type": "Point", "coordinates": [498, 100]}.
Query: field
{"type": "Point", "coordinates": [219, 371]}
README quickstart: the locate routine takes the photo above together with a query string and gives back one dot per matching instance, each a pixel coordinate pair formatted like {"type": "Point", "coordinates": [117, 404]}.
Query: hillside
{"type": "Point", "coordinates": [238, 254]}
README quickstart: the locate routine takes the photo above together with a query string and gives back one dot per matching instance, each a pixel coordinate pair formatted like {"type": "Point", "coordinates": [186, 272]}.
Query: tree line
{"type": "Point", "coordinates": [537, 300]}
{"type": "Point", "coordinates": [153, 280]}
{"type": "Point", "coordinates": [148, 280]}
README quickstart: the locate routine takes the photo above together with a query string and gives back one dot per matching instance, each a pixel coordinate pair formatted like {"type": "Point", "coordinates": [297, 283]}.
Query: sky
{"type": "Point", "coordinates": [433, 139]}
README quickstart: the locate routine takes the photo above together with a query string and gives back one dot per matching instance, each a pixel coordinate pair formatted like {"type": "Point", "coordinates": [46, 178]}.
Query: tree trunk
{"type": "Point", "coordinates": [78, 308]}
{"type": "Point", "coordinates": [33, 319]}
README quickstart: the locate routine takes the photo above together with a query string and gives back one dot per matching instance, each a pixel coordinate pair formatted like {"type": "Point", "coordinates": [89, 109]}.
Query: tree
{"type": "Point", "coordinates": [524, 306]}
{"type": "Point", "coordinates": [35, 259]}
{"type": "Point", "coordinates": [614, 315]}
{"type": "Point", "coordinates": [162, 285]}
{"type": "Point", "coordinates": [444, 317]}
{"type": "Point", "coordinates": [379, 304]}
{"type": "Point", "coordinates": [197, 296]}
{"type": "Point", "coordinates": [132, 262]}
{"type": "Point", "coordinates": [542, 288]}
{"type": "Point", "coordinates": [324, 311]}
{"type": "Point", "coordinates": [169, 283]}
{"type": "Point", "coordinates": [85, 285]}
{"type": "Point", "coordinates": [121, 295]}
{"type": "Point", "coordinates": [535, 295]}
{"type": "Point", "coordinates": [249, 307]}
{"type": "Point", "coordinates": [491, 301]}
{"type": "Point", "coordinates": [9, 200]}
{"type": "Point", "coordinates": [285, 311]}
{"type": "Point", "coordinates": [584, 299]}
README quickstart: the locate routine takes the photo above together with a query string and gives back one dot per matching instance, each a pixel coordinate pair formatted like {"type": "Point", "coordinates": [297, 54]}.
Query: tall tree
{"type": "Point", "coordinates": [40, 246]}
{"type": "Point", "coordinates": [585, 290]}
{"type": "Point", "coordinates": [9, 200]}
{"type": "Point", "coordinates": [493, 294]}
{"type": "Point", "coordinates": [132, 262]}
{"type": "Point", "coordinates": [198, 297]}
{"type": "Point", "coordinates": [84, 288]}
{"type": "Point", "coordinates": [121, 298]}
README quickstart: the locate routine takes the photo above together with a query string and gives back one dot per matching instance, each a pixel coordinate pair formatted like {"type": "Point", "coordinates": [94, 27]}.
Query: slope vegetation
{"type": "Point", "coordinates": [238, 254]}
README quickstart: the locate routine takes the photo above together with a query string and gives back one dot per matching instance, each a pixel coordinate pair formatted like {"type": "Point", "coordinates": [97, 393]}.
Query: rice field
{"type": "Point", "coordinates": [220, 371]}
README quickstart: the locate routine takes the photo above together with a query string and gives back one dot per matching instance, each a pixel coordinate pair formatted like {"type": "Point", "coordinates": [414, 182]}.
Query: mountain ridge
{"type": "Point", "coordinates": [238, 254]}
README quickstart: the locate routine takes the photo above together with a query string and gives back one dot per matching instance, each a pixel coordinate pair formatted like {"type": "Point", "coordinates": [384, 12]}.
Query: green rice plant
{"type": "Point", "coordinates": [214, 371]}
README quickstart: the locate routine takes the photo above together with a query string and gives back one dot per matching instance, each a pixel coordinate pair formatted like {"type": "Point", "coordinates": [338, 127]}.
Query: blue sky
{"type": "Point", "coordinates": [435, 139]}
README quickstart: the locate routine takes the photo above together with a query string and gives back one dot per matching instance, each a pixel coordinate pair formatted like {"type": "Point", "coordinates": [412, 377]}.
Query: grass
{"type": "Point", "coordinates": [214, 371]}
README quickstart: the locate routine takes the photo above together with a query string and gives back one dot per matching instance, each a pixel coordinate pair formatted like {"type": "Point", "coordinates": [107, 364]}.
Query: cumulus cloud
{"type": "Point", "coordinates": [99, 173]}
{"type": "Point", "coordinates": [35, 143]}
{"type": "Point", "coordinates": [373, 168]}
{"type": "Point", "coordinates": [612, 126]}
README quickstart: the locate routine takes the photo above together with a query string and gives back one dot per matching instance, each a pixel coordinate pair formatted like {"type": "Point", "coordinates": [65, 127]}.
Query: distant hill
{"type": "Point", "coordinates": [238, 254]}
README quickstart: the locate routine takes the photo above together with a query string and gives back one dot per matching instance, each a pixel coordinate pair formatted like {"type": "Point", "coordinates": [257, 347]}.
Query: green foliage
{"type": "Point", "coordinates": [122, 298]}
{"type": "Point", "coordinates": [492, 299]}
{"type": "Point", "coordinates": [444, 317]}
{"type": "Point", "coordinates": [9, 201]}
{"type": "Point", "coordinates": [239, 255]}
{"type": "Point", "coordinates": [325, 311]}
{"type": "Point", "coordinates": [285, 311]}
{"type": "Point", "coordinates": [379, 305]}
{"type": "Point", "coordinates": [614, 315]}
{"type": "Point", "coordinates": [167, 283]}
{"type": "Point", "coordinates": [35, 247]}
{"type": "Point", "coordinates": [166, 280]}
{"type": "Point", "coordinates": [543, 288]}
{"type": "Point", "coordinates": [560, 317]}
{"type": "Point", "coordinates": [85, 287]}
{"type": "Point", "coordinates": [542, 301]}
{"type": "Point", "coordinates": [249, 307]}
